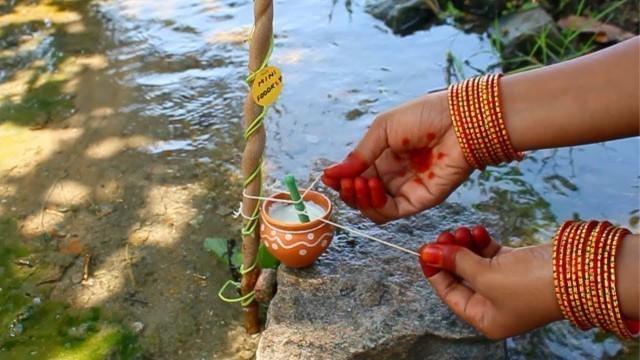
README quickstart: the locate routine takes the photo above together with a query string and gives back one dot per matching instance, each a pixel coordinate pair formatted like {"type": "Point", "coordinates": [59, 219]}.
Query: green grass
{"type": "Point", "coordinates": [551, 45]}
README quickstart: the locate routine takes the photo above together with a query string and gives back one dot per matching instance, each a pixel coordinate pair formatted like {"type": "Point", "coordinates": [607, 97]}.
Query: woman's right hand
{"type": "Point", "coordinates": [408, 161]}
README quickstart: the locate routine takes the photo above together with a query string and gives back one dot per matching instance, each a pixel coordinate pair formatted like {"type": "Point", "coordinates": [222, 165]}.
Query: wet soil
{"type": "Point", "coordinates": [111, 217]}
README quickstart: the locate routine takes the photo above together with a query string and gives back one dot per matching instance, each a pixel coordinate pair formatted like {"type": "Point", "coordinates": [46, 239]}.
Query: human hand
{"type": "Point", "coordinates": [409, 160]}
{"type": "Point", "coordinates": [500, 291]}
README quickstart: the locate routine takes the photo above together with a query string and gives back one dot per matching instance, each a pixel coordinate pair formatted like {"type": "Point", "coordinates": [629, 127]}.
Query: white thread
{"type": "Point", "coordinates": [272, 187]}
{"type": "Point", "coordinates": [365, 235]}
{"type": "Point", "coordinates": [324, 220]}
{"type": "Point", "coordinates": [312, 185]}
{"type": "Point", "coordinates": [239, 212]}
{"type": "Point", "coordinates": [262, 198]}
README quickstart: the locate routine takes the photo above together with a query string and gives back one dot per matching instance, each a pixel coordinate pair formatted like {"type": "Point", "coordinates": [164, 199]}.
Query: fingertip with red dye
{"type": "Point", "coordinates": [378, 195]}
{"type": "Point", "coordinates": [331, 182]}
{"type": "Point", "coordinates": [442, 256]}
{"type": "Point", "coordinates": [446, 237]}
{"type": "Point", "coordinates": [464, 238]}
{"type": "Point", "coordinates": [481, 237]}
{"type": "Point", "coordinates": [347, 191]}
{"type": "Point", "coordinates": [427, 270]}
{"type": "Point", "coordinates": [362, 193]}
{"type": "Point", "coordinates": [352, 166]}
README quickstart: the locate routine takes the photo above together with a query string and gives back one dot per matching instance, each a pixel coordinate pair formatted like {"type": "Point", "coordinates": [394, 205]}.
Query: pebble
{"type": "Point", "coordinates": [137, 327]}
{"type": "Point", "coordinates": [197, 221]}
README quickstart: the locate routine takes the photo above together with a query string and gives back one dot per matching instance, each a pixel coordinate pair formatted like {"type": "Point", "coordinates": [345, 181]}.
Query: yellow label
{"type": "Point", "coordinates": [267, 86]}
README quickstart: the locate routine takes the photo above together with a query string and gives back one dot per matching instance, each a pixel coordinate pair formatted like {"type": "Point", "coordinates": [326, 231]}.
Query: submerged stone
{"type": "Point", "coordinates": [402, 16]}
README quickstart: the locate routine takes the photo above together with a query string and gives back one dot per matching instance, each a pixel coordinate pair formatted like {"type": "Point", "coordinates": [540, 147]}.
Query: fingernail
{"type": "Point", "coordinates": [331, 182]}
{"type": "Point", "coordinates": [463, 237]}
{"type": "Point", "coordinates": [353, 165]}
{"type": "Point", "coordinates": [446, 237]}
{"type": "Point", "coordinates": [431, 255]}
{"type": "Point", "coordinates": [427, 270]}
{"type": "Point", "coordinates": [481, 237]}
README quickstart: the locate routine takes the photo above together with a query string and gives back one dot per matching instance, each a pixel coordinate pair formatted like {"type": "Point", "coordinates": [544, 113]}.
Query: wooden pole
{"type": "Point", "coordinates": [251, 160]}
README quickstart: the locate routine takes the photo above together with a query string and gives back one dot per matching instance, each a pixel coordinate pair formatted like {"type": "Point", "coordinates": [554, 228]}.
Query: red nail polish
{"type": "Point", "coordinates": [463, 237]}
{"type": "Point", "coordinates": [431, 255]}
{"type": "Point", "coordinates": [446, 237]}
{"type": "Point", "coordinates": [352, 166]}
{"type": "Point", "coordinates": [481, 237]}
{"type": "Point", "coordinates": [427, 270]}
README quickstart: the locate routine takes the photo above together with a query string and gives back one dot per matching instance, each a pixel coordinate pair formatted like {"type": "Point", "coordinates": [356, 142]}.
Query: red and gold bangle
{"type": "Point", "coordinates": [491, 99]}
{"type": "Point", "coordinates": [587, 265]}
{"type": "Point", "coordinates": [565, 287]}
{"type": "Point", "coordinates": [456, 119]}
{"type": "Point", "coordinates": [514, 155]}
{"type": "Point", "coordinates": [558, 265]}
{"type": "Point", "coordinates": [570, 274]}
{"type": "Point", "coordinates": [477, 121]}
{"type": "Point", "coordinates": [605, 285]}
{"type": "Point", "coordinates": [597, 314]}
{"type": "Point", "coordinates": [621, 328]}
{"type": "Point", "coordinates": [584, 275]}
{"type": "Point", "coordinates": [582, 245]}
{"type": "Point", "coordinates": [476, 114]}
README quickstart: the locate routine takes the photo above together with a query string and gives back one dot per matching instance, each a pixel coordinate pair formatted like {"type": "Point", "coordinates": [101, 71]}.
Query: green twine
{"type": "Point", "coordinates": [250, 227]}
{"type": "Point", "coordinates": [244, 300]}
{"type": "Point", "coordinates": [265, 62]}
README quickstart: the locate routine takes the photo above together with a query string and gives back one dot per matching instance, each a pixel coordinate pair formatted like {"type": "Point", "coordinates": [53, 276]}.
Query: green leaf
{"type": "Point", "coordinates": [218, 246]}
{"type": "Point", "coordinates": [236, 259]}
{"type": "Point", "coordinates": [265, 259]}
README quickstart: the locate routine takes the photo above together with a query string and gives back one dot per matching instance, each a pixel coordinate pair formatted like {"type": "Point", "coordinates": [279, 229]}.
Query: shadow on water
{"type": "Point", "coordinates": [120, 135]}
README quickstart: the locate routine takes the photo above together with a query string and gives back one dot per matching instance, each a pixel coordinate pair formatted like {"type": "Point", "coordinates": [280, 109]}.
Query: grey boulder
{"type": "Point", "coordinates": [364, 300]}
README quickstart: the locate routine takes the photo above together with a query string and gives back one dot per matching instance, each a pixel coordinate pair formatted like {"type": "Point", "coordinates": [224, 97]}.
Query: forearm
{"type": "Point", "coordinates": [628, 277]}
{"type": "Point", "coordinates": [590, 99]}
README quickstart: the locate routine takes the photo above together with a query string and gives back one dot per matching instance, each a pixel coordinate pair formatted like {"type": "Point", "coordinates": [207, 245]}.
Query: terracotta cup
{"type": "Point", "coordinates": [296, 244]}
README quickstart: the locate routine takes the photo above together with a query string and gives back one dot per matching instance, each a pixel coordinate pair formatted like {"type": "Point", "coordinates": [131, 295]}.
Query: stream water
{"type": "Point", "coordinates": [182, 64]}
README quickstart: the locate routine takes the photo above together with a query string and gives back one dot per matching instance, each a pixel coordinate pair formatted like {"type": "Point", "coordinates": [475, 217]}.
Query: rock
{"type": "Point", "coordinates": [363, 300]}
{"type": "Point", "coordinates": [265, 288]}
{"type": "Point", "coordinates": [224, 210]}
{"type": "Point", "coordinates": [245, 355]}
{"type": "Point", "coordinates": [485, 8]}
{"type": "Point", "coordinates": [137, 327]}
{"type": "Point", "coordinates": [517, 32]}
{"type": "Point", "coordinates": [196, 222]}
{"type": "Point", "coordinates": [402, 16]}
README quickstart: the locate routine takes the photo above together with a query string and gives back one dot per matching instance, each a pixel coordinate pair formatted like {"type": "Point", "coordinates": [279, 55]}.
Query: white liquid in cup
{"type": "Point", "coordinates": [288, 213]}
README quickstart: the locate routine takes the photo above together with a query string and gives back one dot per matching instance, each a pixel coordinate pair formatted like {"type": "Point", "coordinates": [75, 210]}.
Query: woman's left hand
{"type": "Point", "coordinates": [500, 291]}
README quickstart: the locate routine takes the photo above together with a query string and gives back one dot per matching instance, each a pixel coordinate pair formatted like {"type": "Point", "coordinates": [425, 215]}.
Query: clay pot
{"type": "Point", "coordinates": [297, 244]}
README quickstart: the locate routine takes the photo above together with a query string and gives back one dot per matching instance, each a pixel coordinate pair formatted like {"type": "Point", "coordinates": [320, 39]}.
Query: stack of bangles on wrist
{"type": "Point", "coordinates": [476, 113]}
{"type": "Point", "coordinates": [584, 253]}
{"type": "Point", "coordinates": [584, 275]}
